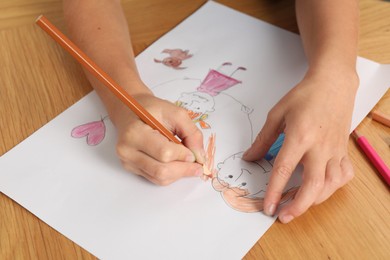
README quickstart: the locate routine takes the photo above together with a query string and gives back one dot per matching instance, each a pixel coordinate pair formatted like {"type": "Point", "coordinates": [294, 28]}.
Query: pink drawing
{"type": "Point", "coordinates": [176, 56]}
{"type": "Point", "coordinates": [215, 81]}
{"type": "Point", "coordinates": [94, 131]}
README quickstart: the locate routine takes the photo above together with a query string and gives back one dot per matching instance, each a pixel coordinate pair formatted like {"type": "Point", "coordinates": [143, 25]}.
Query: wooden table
{"type": "Point", "coordinates": [35, 87]}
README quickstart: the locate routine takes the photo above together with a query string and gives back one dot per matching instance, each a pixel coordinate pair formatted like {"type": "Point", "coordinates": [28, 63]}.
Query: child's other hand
{"type": "Point", "coordinates": [315, 117]}
{"type": "Point", "coordinates": [146, 152]}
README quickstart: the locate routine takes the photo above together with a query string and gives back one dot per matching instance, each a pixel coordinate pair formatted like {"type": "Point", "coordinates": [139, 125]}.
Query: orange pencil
{"type": "Point", "coordinates": [115, 88]}
{"type": "Point", "coordinates": [381, 117]}
{"type": "Point", "coordinates": [93, 68]}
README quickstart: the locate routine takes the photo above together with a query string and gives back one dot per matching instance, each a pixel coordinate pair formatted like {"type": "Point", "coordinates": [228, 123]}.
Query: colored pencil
{"type": "Point", "coordinates": [372, 155]}
{"type": "Point", "coordinates": [381, 117]}
{"type": "Point", "coordinates": [103, 77]}
{"type": "Point", "coordinates": [275, 148]}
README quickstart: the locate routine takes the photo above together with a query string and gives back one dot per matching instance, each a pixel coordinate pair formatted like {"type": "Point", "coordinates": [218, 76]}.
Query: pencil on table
{"type": "Point", "coordinates": [381, 117]}
{"type": "Point", "coordinates": [372, 155]}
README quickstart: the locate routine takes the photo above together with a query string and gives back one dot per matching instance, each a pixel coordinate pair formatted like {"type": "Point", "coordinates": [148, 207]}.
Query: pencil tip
{"type": "Point", "coordinates": [39, 18]}
{"type": "Point", "coordinates": [356, 134]}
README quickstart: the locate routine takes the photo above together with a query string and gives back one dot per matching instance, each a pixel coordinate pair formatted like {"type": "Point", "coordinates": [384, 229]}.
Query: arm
{"type": "Point", "coordinates": [316, 114]}
{"type": "Point", "coordinates": [100, 29]}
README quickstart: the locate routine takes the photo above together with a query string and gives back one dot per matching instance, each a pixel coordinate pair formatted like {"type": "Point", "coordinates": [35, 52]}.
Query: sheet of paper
{"type": "Point", "coordinates": [233, 69]}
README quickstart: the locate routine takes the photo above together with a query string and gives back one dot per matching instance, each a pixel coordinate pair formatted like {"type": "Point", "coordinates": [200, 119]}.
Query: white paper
{"type": "Point", "coordinates": [82, 190]}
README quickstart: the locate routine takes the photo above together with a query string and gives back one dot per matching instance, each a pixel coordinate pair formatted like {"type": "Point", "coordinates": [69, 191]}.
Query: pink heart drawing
{"type": "Point", "coordinates": [94, 131]}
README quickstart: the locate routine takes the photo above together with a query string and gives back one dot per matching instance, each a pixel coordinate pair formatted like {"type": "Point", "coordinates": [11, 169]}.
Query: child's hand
{"type": "Point", "coordinates": [315, 117]}
{"type": "Point", "coordinates": [147, 152]}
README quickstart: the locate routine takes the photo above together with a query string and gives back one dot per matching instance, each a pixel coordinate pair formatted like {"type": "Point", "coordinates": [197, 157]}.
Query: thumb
{"type": "Point", "coordinates": [190, 135]}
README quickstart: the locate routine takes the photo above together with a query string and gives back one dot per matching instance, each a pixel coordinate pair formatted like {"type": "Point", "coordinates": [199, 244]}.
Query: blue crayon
{"type": "Point", "coordinates": [275, 148]}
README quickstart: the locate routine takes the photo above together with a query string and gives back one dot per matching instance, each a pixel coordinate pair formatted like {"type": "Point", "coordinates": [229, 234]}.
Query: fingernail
{"type": "Point", "coordinates": [286, 218]}
{"type": "Point", "coordinates": [270, 210]}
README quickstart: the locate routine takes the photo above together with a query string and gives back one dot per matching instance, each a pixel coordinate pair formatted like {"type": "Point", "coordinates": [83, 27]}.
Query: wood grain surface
{"type": "Point", "coordinates": [38, 81]}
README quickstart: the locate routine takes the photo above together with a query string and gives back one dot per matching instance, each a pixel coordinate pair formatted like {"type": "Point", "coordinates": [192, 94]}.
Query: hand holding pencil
{"type": "Point", "coordinates": [147, 126]}
{"type": "Point", "coordinates": [148, 153]}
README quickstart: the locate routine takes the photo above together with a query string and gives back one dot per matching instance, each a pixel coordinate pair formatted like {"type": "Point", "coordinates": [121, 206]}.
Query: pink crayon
{"type": "Point", "coordinates": [373, 156]}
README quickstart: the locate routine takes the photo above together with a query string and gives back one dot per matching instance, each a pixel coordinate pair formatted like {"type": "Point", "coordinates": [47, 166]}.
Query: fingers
{"type": "Point", "coordinates": [318, 187]}
{"type": "Point", "coordinates": [177, 120]}
{"type": "Point", "coordinates": [191, 136]}
{"type": "Point", "coordinates": [337, 175]}
{"type": "Point", "coordinates": [284, 165]}
{"type": "Point", "coordinates": [146, 152]}
{"type": "Point", "coordinates": [323, 173]}
{"type": "Point", "coordinates": [154, 157]}
{"type": "Point", "coordinates": [161, 173]}
{"type": "Point", "coordinates": [264, 140]}
{"type": "Point", "coordinates": [313, 184]}
{"type": "Point", "coordinates": [161, 149]}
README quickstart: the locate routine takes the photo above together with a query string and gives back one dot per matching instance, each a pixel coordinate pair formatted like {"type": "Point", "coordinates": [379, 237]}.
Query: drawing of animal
{"type": "Point", "coordinates": [176, 56]}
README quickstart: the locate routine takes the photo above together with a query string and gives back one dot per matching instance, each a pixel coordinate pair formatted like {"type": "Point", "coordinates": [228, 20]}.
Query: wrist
{"type": "Point", "coordinates": [118, 111]}
{"type": "Point", "coordinates": [339, 74]}
{"type": "Point", "coordinates": [128, 78]}
{"type": "Point", "coordinates": [130, 82]}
